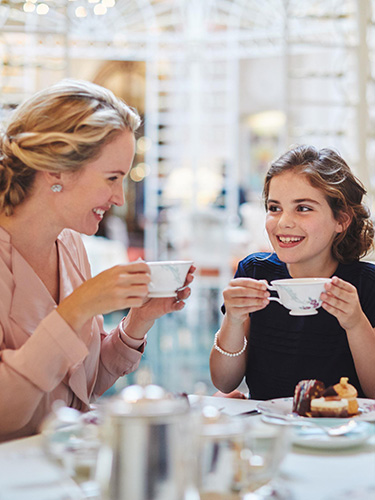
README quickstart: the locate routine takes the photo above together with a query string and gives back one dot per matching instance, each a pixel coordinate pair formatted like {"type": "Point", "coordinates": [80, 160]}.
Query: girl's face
{"type": "Point", "coordinates": [301, 226]}
{"type": "Point", "coordinates": [89, 193]}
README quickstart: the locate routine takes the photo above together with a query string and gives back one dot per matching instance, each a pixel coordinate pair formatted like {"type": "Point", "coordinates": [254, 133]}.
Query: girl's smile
{"type": "Point", "coordinates": [301, 225]}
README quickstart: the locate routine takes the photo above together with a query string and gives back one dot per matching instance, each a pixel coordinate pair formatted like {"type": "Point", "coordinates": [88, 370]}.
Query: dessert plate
{"type": "Point", "coordinates": [283, 407]}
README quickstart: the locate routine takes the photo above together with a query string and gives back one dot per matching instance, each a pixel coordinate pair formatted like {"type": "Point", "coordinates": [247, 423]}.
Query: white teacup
{"type": "Point", "coordinates": [167, 277]}
{"type": "Point", "coordinates": [300, 295]}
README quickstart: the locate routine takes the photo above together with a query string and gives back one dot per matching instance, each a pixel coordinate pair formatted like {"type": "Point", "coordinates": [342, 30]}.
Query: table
{"type": "Point", "coordinates": [27, 474]}
{"type": "Point", "coordinates": [312, 474]}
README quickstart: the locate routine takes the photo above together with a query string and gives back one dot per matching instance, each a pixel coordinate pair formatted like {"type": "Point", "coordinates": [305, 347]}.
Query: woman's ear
{"type": "Point", "coordinates": [52, 177]}
{"type": "Point", "coordinates": [344, 220]}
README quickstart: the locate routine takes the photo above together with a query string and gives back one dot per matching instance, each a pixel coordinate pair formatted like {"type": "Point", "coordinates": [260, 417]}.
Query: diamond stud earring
{"type": "Point", "coordinates": [56, 188]}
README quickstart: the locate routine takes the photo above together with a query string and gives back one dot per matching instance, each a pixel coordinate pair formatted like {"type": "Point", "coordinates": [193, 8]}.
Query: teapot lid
{"type": "Point", "coordinates": [150, 400]}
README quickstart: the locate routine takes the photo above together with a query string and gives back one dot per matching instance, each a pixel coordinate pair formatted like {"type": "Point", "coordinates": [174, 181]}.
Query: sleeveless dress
{"type": "Point", "coordinates": [285, 349]}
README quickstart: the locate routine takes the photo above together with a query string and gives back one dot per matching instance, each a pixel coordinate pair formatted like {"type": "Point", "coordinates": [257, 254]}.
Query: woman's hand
{"type": "Point", "coordinates": [342, 301]}
{"type": "Point", "coordinates": [117, 288]}
{"type": "Point", "coordinates": [139, 320]}
{"type": "Point", "coordinates": [154, 308]}
{"type": "Point", "coordinates": [243, 296]}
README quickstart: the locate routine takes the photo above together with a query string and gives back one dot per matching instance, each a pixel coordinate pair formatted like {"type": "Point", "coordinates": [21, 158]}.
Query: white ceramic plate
{"type": "Point", "coordinates": [283, 407]}
{"type": "Point", "coordinates": [312, 437]}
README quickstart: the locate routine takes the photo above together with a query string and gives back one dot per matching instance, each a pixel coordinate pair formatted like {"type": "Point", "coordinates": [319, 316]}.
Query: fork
{"type": "Point", "coordinates": [337, 430]}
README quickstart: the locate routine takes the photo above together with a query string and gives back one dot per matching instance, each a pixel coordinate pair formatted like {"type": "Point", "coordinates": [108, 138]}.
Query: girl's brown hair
{"type": "Point", "coordinates": [327, 171]}
{"type": "Point", "coordinates": [59, 129]}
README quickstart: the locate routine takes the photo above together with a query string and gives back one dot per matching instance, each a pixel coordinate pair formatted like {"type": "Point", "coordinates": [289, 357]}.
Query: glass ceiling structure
{"type": "Point", "coordinates": [193, 51]}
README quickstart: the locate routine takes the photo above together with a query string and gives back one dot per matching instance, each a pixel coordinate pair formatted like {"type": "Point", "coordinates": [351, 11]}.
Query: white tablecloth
{"type": "Point", "coordinates": [26, 473]}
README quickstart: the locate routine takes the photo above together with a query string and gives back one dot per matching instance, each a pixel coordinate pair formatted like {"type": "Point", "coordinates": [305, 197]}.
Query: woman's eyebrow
{"type": "Point", "coordinates": [117, 172]}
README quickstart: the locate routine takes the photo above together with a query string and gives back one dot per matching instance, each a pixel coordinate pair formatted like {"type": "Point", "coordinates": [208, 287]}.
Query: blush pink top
{"type": "Point", "coordinates": [41, 358]}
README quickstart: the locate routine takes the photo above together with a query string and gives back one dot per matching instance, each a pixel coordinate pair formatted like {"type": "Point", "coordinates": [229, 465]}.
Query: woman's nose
{"type": "Point", "coordinates": [118, 197]}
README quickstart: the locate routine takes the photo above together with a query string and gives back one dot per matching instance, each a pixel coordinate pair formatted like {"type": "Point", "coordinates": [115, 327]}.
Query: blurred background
{"type": "Point", "coordinates": [223, 88]}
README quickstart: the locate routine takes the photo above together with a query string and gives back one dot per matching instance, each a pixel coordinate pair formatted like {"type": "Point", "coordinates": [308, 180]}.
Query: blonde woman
{"type": "Point", "coordinates": [63, 159]}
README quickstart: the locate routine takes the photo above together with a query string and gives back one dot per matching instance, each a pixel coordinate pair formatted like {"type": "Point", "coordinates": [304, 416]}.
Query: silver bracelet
{"type": "Point", "coordinates": [230, 354]}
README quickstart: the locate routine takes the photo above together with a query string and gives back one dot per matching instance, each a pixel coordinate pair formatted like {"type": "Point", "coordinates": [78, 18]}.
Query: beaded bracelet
{"type": "Point", "coordinates": [230, 354]}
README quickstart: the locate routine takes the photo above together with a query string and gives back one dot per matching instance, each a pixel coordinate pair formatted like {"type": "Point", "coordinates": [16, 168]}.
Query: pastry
{"type": "Point", "coordinates": [349, 392]}
{"type": "Point", "coordinates": [331, 406]}
{"type": "Point", "coordinates": [312, 399]}
{"type": "Point", "coordinates": [305, 391]}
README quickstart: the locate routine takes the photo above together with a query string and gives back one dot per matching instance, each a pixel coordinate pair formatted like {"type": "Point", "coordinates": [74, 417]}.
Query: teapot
{"type": "Point", "coordinates": [147, 446]}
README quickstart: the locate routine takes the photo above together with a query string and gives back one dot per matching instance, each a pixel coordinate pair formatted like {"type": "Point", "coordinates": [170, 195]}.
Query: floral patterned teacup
{"type": "Point", "coordinates": [167, 277]}
{"type": "Point", "coordinates": [300, 295]}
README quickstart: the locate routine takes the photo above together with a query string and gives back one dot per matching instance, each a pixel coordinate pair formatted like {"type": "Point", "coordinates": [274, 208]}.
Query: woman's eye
{"type": "Point", "coordinates": [113, 178]}
{"type": "Point", "coordinates": [303, 208]}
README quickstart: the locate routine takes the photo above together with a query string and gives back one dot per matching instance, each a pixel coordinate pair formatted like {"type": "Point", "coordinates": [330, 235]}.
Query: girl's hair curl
{"type": "Point", "coordinates": [327, 171]}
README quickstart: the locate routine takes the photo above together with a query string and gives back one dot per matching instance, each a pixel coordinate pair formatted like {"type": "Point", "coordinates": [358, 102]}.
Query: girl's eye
{"type": "Point", "coordinates": [273, 208]}
{"type": "Point", "coordinates": [303, 208]}
{"type": "Point", "coordinates": [113, 178]}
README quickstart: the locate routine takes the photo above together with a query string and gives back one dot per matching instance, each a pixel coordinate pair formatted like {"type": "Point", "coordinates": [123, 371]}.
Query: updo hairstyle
{"type": "Point", "coordinates": [59, 129]}
{"type": "Point", "coordinates": [326, 170]}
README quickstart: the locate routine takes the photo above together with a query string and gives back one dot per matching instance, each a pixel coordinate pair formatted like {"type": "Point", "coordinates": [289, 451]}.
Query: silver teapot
{"type": "Point", "coordinates": [147, 446]}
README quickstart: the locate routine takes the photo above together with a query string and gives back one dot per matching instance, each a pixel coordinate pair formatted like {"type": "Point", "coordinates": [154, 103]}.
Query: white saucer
{"type": "Point", "coordinates": [312, 437]}
{"type": "Point", "coordinates": [161, 295]}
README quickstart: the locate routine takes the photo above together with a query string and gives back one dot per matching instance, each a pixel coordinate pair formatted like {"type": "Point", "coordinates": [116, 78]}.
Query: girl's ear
{"type": "Point", "coordinates": [343, 221]}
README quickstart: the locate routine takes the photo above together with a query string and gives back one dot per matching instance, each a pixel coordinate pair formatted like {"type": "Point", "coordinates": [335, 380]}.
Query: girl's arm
{"type": "Point", "coordinates": [342, 301]}
{"type": "Point", "coordinates": [227, 372]}
{"type": "Point", "coordinates": [242, 297]}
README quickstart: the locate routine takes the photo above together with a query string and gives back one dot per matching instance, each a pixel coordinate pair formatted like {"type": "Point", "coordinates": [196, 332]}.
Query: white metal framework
{"type": "Point", "coordinates": [193, 50]}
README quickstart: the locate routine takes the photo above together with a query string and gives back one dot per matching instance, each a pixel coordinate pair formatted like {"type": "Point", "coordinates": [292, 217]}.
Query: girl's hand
{"type": "Point", "coordinates": [244, 296]}
{"type": "Point", "coordinates": [342, 301]}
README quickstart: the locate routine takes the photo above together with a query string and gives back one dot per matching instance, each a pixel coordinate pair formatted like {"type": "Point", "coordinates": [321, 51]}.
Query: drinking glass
{"type": "Point", "coordinates": [265, 446]}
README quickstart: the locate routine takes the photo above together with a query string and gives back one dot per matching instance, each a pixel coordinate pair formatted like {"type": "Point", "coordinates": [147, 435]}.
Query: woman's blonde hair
{"type": "Point", "coordinates": [327, 171]}
{"type": "Point", "coordinates": [59, 129]}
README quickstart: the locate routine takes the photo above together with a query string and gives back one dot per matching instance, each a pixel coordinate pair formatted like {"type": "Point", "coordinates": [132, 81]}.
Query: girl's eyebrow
{"type": "Point", "coordinates": [299, 200]}
{"type": "Point", "coordinates": [307, 200]}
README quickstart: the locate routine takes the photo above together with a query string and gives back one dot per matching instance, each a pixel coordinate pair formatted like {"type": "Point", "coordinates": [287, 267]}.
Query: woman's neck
{"type": "Point", "coordinates": [31, 232]}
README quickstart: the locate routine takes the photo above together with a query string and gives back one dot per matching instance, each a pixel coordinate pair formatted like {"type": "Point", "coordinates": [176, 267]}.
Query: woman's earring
{"type": "Point", "coordinates": [56, 188]}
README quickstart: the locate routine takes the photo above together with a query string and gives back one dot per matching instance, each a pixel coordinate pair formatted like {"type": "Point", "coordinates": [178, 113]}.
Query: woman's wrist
{"type": "Point", "coordinates": [135, 327]}
{"type": "Point", "coordinates": [72, 313]}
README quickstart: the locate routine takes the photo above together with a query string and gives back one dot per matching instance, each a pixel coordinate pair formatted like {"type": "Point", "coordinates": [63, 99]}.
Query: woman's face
{"type": "Point", "coordinates": [300, 225]}
{"type": "Point", "coordinates": [89, 193]}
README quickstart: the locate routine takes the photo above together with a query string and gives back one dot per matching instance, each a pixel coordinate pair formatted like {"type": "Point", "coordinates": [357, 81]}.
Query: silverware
{"type": "Point", "coordinates": [333, 431]}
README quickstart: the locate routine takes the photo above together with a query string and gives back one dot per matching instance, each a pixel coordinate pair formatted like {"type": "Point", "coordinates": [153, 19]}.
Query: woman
{"type": "Point", "coordinates": [319, 227]}
{"type": "Point", "coordinates": [64, 156]}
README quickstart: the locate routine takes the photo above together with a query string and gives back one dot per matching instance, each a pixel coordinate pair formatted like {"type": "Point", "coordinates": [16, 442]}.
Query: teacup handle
{"type": "Point", "coordinates": [272, 289]}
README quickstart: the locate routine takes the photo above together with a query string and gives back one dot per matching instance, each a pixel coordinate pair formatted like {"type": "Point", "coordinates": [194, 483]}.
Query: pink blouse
{"type": "Point", "coordinates": [41, 358]}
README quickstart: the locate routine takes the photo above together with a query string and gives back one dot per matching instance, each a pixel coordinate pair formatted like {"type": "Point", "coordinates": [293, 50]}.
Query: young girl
{"type": "Point", "coordinates": [318, 227]}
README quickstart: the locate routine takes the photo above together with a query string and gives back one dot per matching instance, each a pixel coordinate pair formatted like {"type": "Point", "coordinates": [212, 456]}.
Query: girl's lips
{"type": "Point", "coordinates": [289, 241]}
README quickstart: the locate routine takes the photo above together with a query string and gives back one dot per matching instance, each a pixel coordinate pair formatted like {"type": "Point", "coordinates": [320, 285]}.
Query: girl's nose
{"type": "Point", "coordinates": [286, 220]}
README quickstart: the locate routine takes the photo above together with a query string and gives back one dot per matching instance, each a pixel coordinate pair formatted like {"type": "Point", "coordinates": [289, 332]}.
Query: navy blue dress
{"type": "Point", "coordinates": [285, 349]}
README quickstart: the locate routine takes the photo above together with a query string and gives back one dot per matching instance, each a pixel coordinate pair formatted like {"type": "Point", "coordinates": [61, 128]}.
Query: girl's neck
{"type": "Point", "coordinates": [321, 270]}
